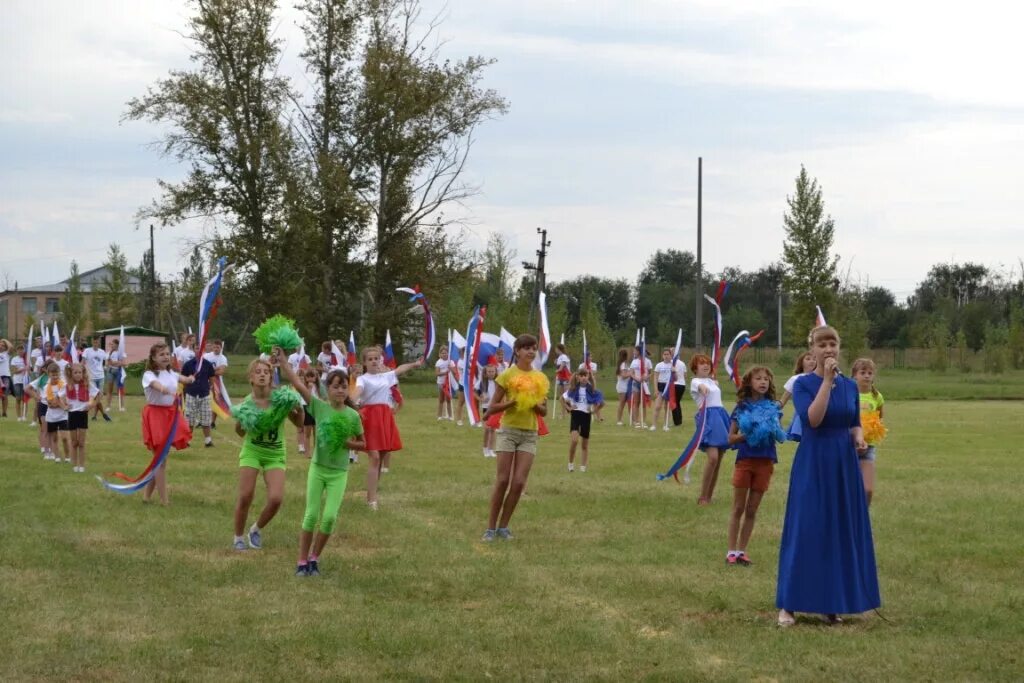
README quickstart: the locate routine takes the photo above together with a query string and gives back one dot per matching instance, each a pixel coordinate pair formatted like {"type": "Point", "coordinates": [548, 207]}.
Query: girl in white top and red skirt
{"type": "Point", "coordinates": [373, 395]}
{"type": "Point", "coordinates": [160, 415]}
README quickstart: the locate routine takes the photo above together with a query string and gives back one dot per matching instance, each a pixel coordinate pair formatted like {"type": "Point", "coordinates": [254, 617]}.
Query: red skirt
{"type": "Point", "coordinates": [156, 426]}
{"type": "Point", "coordinates": [379, 428]}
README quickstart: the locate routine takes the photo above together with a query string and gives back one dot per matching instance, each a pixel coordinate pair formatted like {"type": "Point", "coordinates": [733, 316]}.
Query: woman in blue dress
{"type": "Point", "coordinates": [827, 556]}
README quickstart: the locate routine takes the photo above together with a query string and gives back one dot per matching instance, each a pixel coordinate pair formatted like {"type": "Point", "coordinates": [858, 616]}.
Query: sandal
{"type": "Point", "coordinates": [786, 619]}
{"type": "Point", "coordinates": [833, 619]}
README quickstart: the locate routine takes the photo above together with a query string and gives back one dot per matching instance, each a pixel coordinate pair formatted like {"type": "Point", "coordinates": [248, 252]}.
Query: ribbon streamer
{"type": "Point", "coordinates": [429, 332]}
{"type": "Point", "coordinates": [691, 447]}
{"type": "Point", "coordinates": [669, 394]}
{"type": "Point", "coordinates": [716, 351]}
{"type": "Point", "coordinates": [150, 471]}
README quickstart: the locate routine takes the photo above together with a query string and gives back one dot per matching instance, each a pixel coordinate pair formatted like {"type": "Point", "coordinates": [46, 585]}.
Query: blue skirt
{"type": "Point", "coordinates": [716, 432]}
{"type": "Point", "coordinates": [827, 555]}
{"type": "Point", "coordinates": [795, 429]}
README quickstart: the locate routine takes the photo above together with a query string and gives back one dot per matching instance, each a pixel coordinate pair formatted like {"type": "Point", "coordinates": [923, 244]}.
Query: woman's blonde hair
{"type": "Point", "coordinates": [823, 332]}
{"type": "Point", "coordinates": [151, 361]}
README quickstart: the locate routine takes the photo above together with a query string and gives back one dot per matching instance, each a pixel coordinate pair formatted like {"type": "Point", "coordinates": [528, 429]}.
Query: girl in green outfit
{"type": "Point", "coordinates": [260, 422]}
{"type": "Point", "coordinates": [338, 429]}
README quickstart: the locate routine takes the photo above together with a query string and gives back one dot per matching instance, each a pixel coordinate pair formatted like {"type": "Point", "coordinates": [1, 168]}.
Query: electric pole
{"type": "Point", "coordinates": [540, 279]}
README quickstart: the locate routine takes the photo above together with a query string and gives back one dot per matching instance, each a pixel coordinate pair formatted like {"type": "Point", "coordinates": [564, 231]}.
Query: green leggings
{"type": "Point", "coordinates": [323, 480]}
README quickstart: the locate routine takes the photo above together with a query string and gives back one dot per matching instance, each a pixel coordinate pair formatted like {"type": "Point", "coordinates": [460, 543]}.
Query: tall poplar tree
{"type": "Point", "coordinates": [810, 276]}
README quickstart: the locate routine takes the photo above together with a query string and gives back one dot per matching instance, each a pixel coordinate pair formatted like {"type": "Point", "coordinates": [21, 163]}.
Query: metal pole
{"type": "Point", "coordinates": [780, 319]}
{"type": "Point", "coordinates": [700, 273]}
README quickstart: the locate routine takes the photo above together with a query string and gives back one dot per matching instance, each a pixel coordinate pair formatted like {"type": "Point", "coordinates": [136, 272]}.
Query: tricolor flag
{"type": "Point", "coordinates": [670, 394]}
{"type": "Point", "coordinates": [489, 344]}
{"type": "Point", "coordinates": [506, 343]}
{"type": "Point", "coordinates": [56, 334]}
{"type": "Point", "coordinates": [586, 351]}
{"type": "Point", "coordinates": [629, 384]}
{"type": "Point", "coordinates": [350, 359]}
{"type": "Point", "coordinates": [209, 301]}
{"type": "Point", "coordinates": [429, 331]}
{"type": "Point", "coordinates": [123, 348]}
{"type": "Point", "coordinates": [28, 357]}
{"type": "Point", "coordinates": [72, 350]}
{"type": "Point", "coordinates": [469, 363]}
{"type": "Point", "coordinates": [303, 358]}
{"type": "Point", "coordinates": [544, 338]}
{"type": "Point", "coordinates": [389, 352]}
{"type": "Point", "coordinates": [46, 341]}
{"type": "Point", "coordinates": [337, 357]}
{"type": "Point", "coordinates": [739, 344]}
{"type": "Point", "coordinates": [716, 350]}
{"type": "Point", "coordinates": [819, 321]}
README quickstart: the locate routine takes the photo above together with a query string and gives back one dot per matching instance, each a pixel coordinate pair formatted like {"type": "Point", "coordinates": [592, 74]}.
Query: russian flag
{"type": "Point", "coordinates": [337, 356]}
{"type": "Point", "coordinates": [389, 352]}
{"type": "Point", "coordinates": [506, 342]}
{"type": "Point", "coordinates": [489, 344]}
{"type": "Point", "coordinates": [544, 338]}
{"type": "Point", "coordinates": [351, 359]}
{"type": "Point", "coordinates": [819, 321]}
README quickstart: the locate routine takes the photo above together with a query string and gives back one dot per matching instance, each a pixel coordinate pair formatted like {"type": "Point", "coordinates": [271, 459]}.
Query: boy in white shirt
{"type": "Point", "coordinates": [95, 358]}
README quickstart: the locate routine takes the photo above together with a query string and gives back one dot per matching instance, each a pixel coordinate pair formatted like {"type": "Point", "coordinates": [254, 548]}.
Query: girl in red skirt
{"type": "Point", "coordinates": [373, 394]}
{"type": "Point", "coordinates": [160, 384]}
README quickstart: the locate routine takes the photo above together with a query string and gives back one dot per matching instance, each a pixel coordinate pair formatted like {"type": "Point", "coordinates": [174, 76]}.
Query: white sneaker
{"type": "Point", "coordinates": [619, 423]}
{"type": "Point", "coordinates": [459, 423]}
{"type": "Point", "coordinates": [571, 467]}
{"type": "Point", "coordinates": [664, 429]}
{"type": "Point", "coordinates": [583, 468]}
{"type": "Point", "coordinates": [487, 453]}
{"type": "Point", "coordinates": [653, 428]}
{"type": "Point", "coordinates": [384, 470]}
{"type": "Point", "coordinates": [67, 459]}
{"type": "Point", "coordinates": [373, 505]}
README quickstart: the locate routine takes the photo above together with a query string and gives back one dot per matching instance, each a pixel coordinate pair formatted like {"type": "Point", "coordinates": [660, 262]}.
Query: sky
{"type": "Point", "coordinates": [907, 114]}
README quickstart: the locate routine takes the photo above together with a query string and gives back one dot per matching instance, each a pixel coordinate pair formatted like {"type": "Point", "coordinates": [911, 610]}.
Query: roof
{"type": "Point", "coordinates": [90, 280]}
{"type": "Point", "coordinates": [133, 331]}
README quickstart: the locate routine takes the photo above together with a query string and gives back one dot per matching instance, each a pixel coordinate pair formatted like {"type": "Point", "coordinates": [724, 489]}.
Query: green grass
{"type": "Point", "coordinates": [613, 575]}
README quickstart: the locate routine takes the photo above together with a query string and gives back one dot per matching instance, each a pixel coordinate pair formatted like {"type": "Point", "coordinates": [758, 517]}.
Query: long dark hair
{"type": "Point", "coordinates": [746, 391]}
{"type": "Point", "coordinates": [341, 375]}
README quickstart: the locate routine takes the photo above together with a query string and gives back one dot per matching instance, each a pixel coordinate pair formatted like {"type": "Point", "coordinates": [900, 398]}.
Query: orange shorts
{"type": "Point", "coordinates": [753, 473]}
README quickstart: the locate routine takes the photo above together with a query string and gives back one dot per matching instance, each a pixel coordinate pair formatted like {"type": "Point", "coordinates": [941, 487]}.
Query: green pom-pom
{"type": "Point", "coordinates": [335, 431]}
{"type": "Point", "coordinates": [277, 331]}
{"type": "Point", "coordinates": [254, 419]}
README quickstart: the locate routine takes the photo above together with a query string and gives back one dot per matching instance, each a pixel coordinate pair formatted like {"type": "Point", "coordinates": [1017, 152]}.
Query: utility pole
{"type": "Point", "coordinates": [700, 269]}
{"type": "Point", "coordinates": [780, 318]}
{"type": "Point", "coordinates": [540, 278]}
{"type": "Point", "coordinates": [154, 302]}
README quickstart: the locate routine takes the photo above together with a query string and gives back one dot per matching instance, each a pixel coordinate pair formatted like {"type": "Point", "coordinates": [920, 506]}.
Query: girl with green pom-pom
{"type": "Point", "coordinates": [338, 429]}
{"type": "Point", "coordinates": [260, 422]}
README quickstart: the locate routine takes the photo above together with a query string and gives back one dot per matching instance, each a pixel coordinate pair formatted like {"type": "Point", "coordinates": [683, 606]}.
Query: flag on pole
{"type": "Point", "coordinates": [56, 334]}
{"type": "Point", "coordinates": [337, 357]}
{"type": "Point", "coordinates": [389, 352]}
{"type": "Point", "coordinates": [586, 351]}
{"type": "Point", "coordinates": [351, 359]}
{"type": "Point", "coordinates": [303, 358]}
{"type": "Point", "coordinates": [742, 342]}
{"type": "Point", "coordinates": [469, 362]}
{"type": "Point", "coordinates": [629, 384]}
{"type": "Point", "coordinates": [72, 350]}
{"type": "Point", "coordinates": [506, 343]}
{"type": "Point", "coordinates": [122, 346]}
{"type": "Point", "coordinates": [429, 332]}
{"type": "Point", "coordinates": [209, 301]}
{"type": "Point", "coordinates": [669, 394]}
{"type": "Point", "coordinates": [28, 358]}
{"type": "Point", "coordinates": [819, 321]}
{"type": "Point", "coordinates": [544, 338]}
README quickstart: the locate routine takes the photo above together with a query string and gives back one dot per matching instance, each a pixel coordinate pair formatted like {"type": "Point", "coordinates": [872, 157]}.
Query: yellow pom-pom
{"type": "Point", "coordinates": [528, 390]}
{"type": "Point", "coordinates": [874, 430]}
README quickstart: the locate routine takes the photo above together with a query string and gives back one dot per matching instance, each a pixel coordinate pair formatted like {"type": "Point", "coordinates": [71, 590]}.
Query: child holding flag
{"type": "Point", "coordinates": [664, 371]}
{"type": "Point", "coordinates": [521, 397]}
{"type": "Point", "coordinates": [160, 384]}
{"type": "Point", "coordinates": [581, 399]}
{"type": "Point", "coordinates": [19, 378]}
{"type": "Point", "coordinates": [705, 391]}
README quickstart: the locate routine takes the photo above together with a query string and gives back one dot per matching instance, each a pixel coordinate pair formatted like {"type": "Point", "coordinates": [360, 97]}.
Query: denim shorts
{"type": "Point", "coordinates": [868, 455]}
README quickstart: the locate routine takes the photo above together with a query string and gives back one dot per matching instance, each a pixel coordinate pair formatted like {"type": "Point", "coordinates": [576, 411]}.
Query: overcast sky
{"type": "Point", "coordinates": [910, 115]}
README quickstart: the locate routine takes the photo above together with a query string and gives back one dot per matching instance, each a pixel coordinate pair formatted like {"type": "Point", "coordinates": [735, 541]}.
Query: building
{"type": "Point", "coordinates": [43, 303]}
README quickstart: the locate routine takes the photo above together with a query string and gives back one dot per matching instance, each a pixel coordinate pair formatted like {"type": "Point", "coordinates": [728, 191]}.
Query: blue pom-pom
{"type": "Point", "coordinates": [760, 422]}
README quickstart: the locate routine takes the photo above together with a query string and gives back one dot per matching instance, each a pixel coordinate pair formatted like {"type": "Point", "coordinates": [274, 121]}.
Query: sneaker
{"type": "Point", "coordinates": [353, 458]}
{"type": "Point", "coordinates": [583, 468]}
{"type": "Point", "coordinates": [571, 467]}
{"type": "Point", "coordinates": [107, 418]}
{"type": "Point", "coordinates": [255, 540]}
{"type": "Point", "coordinates": [373, 505]}
{"type": "Point", "coordinates": [486, 453]}
{"type": "Point", "coordinates": [302, 449]}
{"type": "Point", "coordinates": [619, 423]}
{"type": "Point", "coordinates": [313, 569]}
{"type": "Point", "coordinates": [488, 536]}
{"type": "Point", "coordinates": [208, 443]}
{"type": "Point", "coordinates": [459, 423]}
{"type": "Point", "coordinates": [731, 560]}
{"type": "Point", "coordinates": [94, 417]}
{"type": "Point", "coordinates": [744, 560]}
{"type": "Point", "coordinates": [440, 418]}
{"type": "Point", "coordinates": [240, 545]}
{"type": "Point", "coordinates": [664, 429]}
{"type": "Point", "coordinates": [384, 470]}
{"type": "Point", "coordinates": [67, 460]}
{"type": "Point", "coordinates": [653, 428]}
{"type": "Point", "coordinates": [505, 534]}
{"type": "Point", "coordinates": [301, 570]}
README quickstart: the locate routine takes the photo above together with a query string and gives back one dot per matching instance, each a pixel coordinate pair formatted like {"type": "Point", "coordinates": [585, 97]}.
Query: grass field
{"type": "Point", "coordinates": [612, 575]}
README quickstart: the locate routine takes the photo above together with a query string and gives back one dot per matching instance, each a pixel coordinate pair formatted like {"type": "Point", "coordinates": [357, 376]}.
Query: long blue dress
{"type": "Point", "coordinates": [827, 556]}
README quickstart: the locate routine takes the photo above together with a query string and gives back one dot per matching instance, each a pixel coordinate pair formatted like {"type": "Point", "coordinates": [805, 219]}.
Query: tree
{"type": "Point", "coordinates": [613, 298]}
{"type": "Point", "coordinates": [224, 118]}
{"type": "Point", "coordinates": [72, 307]}
{"type": "Point", "coordinates": [114, 296]}
{"type": "Point", "coordinates": [995, 349]}
{"type": "Point", "coordinates": [414, 125]}
{"type": "Point", "coordinates": [810, 267]}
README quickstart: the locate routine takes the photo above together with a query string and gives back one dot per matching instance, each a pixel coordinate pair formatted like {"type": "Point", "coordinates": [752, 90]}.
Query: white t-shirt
{"type": "Point", "coordinates": [184, 355]}
{"type": "Point", "coordinates": [578, 400]}
{"type": "Point", "coordinates": [18, 374]}
{"type": "Point", "coordinates": [664, 371]}
{"type": "Point", "coordinates": [714, 395]}
{"type": "Point", "coordinates": [217, 360]}
{"type": "Point", "coordinates": [295, 360]}
{"type": "Point", "coordinates": [115, 356]}
{"type": "Point", "coordinates": [94, 359]}
{"type": "Point", "coordinates": [168, 379]}
{"type": "Point", "coordinates": [634, 369]}
{"type": "Point", "coordinates": [563, 361]}
{"type": "Point", "coordinates": [36, 359]}
{"type": "Point", "coordinates": [376, 389]}
{"type": "Point", "coordinates": [75, 404]}
{"type": "Point", "coordinates": [5, 364]}
{"type": "Point", "coordinates": [443, 366]}
{"type": "Point", "coordinates": [791, 382]}
{"type": "Point", "coordinates": [680, 372]}
{"type": "Point", "coordinates": [583, 366]}
{"type": "Point", "coordinates": [54, 413]}
{"type": "Point", "coordinates": [327, 361]}
{"type": "Point", "coordinates": [62, 364]}
{"type": "Point", "coordinates": [488, 394]}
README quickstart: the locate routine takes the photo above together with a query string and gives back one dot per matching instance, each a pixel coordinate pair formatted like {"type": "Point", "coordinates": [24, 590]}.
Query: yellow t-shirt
{"type": "Point", "coordinates": [515, 381]}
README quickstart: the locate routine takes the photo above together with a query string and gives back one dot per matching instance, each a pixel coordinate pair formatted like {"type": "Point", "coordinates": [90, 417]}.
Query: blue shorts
{"type": "Point", "coordinates": [98, 383]}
